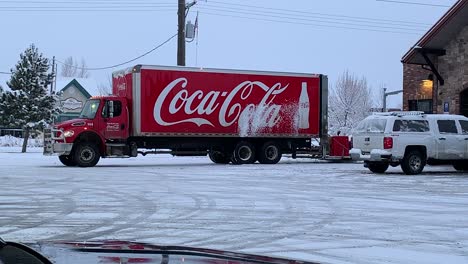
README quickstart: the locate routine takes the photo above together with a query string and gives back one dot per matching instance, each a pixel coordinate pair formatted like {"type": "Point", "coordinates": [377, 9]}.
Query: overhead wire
{"type": "Point", "coordinates": [320, 16]}
{"type": "Point", "coordinates": [313, 13]}
{"type": "Point", "coordinates": [88, 10]}
{"type": "Point", "coordinates": [309, 24]}
{"type": "Point", "coordinates": [412, 3]}
{"type": "Point", "coordinates": [119, 64]}
{"type": "Point", "coordinates": [314, 20]}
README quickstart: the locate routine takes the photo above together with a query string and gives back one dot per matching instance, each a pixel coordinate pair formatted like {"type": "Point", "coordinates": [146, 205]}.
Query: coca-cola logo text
{"type": "Point", "coordinates": [196, 104]}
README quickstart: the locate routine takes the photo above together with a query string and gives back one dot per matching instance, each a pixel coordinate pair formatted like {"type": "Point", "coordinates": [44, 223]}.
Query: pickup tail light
{"type": "Point", "coordinates": [388, 142]}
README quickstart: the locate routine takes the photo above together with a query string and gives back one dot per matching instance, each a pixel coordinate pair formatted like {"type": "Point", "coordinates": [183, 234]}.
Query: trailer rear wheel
{"type": "Point", "coordinates": [244, 153]}
{"type": "Point", "coordinates": [86, 155]}
{"type": "Point", "coordinates": [67, 160]}
{"type": "Point", "coordinates": [270, 153]}
{"type": "Point", "coordinates": [219, 157]}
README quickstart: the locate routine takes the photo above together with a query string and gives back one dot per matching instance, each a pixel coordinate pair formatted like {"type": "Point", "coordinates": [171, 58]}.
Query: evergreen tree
{"type": "Point", "coordinates": [29, 104]}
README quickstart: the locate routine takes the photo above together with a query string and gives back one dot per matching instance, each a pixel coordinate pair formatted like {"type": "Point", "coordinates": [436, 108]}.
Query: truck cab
{"type": "Point", "coordinates": [101, 130]}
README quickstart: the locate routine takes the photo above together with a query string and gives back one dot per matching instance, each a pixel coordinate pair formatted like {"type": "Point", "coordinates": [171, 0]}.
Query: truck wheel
{"type": "Point", "coordinates": [378, 167]}
{"type": "Point", "coordinates": [270, 153]}
{"type": "Point", "coordinates": [219, 157]}
{"type": "Point", "coordinates": [67, 160]}
{"type": "Point", "coordinates": [86, 155]}
{"type": "Point", "coordinates": [244, 153]}
{"type": "Point", "coordinates": [460, 166]}
{"type": "Point", "coordinates": [413, 162]}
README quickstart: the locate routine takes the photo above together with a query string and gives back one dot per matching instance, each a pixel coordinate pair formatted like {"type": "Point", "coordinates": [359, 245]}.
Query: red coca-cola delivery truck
{"type": "Point", "coordinates": [230, 115]}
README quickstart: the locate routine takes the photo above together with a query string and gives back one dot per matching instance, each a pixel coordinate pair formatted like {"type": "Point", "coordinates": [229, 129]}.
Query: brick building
{"type": "Point", "coordinates": [435, 69]}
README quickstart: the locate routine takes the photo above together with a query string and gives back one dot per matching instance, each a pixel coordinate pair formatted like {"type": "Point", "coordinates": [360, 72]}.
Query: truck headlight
{"type": "Point", "coordinates": [68, 133]}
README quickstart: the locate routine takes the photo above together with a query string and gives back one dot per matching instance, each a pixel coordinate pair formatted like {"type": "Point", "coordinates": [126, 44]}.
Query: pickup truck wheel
{"type": "Point", "coordinates": [244, 153]}
{"type": "Point", "coordinates": [67, 160]}
{"type": "Point", "coordinates": [219, 157]}
{"type": "Point", "coordinates": [413, 162]}
{"type": "Point", "coordinates": [460, 166]}
{"type": "Point", "coordinates": [86, 155]}
{"type": "Point", "coordinates": [378, 167]}
{"type": "Point", "coordinates": [270, 153]}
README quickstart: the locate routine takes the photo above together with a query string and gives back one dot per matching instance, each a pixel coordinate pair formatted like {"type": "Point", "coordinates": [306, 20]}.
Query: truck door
{"type": "Point", "coordinates": [448, 141]}
{"type": "Point", "coordinates": [115, 116]}
{"type": "Point", "coordinates": [464, 136]}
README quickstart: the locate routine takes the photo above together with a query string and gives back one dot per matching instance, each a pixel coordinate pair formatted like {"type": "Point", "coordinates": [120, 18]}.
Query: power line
{"type": "Point", "coordinates": [120, 64]}
{"type": "Point", "coordinates": [86, 10]}
{"type": "Point", "coordinates": [90, 7]}
{"type": "Point", "coordinates": [315, 20]}
{"type": "Point", "coordinates": [321, 17]}
{"type": "Point", "coordinates": [85, 2]}
{"type": "Point", "coordinates": [9, 73]}
{"type": "Point", "coordinates": [317, 13]}
{"type": "Point", "coordinates": [309, 24]}
{"type": "Point", "coordinates": [412, 3]}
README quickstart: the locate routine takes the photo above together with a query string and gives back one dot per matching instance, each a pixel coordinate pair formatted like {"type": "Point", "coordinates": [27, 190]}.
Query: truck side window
{"type": "Point", "coordinates": [447, 126]}
{"type": "Point", "coordinates": [410, 126]}
{"type": "Point", "coordinates": [117, 108]}
{"type": "Point", "coordinates": [464, 126]}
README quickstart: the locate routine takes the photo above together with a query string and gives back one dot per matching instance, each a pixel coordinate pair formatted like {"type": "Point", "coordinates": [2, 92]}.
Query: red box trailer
{"type": "Point", "coordinates": [232, 115]}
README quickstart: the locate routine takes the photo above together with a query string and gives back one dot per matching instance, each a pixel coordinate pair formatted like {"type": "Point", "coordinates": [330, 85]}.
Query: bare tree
{"type": "Point", "coordinates": [82, 71]}
{"type": "Point", "coordinates": [70, 68]}
{"type": "Point", "coordinates": [350, 101]}
{"type": "Point", "coordinates": [105, 88]}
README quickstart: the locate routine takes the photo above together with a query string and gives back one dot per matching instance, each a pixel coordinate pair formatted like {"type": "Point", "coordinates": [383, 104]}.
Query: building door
{"type": "Point", "coordinates": [464, 102]}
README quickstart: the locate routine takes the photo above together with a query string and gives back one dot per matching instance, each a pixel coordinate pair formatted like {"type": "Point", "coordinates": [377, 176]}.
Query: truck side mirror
{"type": "Point", "coordinates": [111, 109]}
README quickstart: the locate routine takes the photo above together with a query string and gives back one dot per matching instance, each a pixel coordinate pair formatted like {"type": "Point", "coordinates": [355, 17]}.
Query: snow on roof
{"type": "Point", "coordinates": [89, 84]}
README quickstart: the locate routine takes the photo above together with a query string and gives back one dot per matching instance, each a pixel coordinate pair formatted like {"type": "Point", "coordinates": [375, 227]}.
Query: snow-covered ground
{"type": "Point", "coordinates": [330, 212]}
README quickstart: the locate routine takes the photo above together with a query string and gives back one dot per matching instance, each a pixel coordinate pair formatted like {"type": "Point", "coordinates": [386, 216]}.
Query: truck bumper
{"type": "Point", "coordinates": [55, 145]}
{"type": "Point", "coordinates": [376, 155]}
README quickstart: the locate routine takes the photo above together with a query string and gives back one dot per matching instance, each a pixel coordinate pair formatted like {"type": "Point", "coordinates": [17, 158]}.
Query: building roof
{"type": "Point", "coordinates": [438, 36]}
{"type": "Point", "coordinates": [89, 86]}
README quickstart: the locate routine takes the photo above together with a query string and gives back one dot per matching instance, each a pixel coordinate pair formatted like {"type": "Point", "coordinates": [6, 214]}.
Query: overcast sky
{"type": "Point", "coordinates": [367, 37]}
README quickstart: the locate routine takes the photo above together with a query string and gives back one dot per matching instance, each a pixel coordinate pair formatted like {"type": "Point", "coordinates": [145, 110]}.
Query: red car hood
{"type": "Point", "coordinates": [132, 252]}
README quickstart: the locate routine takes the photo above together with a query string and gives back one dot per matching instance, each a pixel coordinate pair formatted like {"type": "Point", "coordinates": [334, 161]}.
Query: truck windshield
{"type": "Point", "coordinates": [90, 109]}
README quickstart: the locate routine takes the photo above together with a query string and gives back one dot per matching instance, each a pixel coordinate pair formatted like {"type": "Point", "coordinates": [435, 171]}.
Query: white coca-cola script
{"type": "Point", "coordinates": [199, 103]}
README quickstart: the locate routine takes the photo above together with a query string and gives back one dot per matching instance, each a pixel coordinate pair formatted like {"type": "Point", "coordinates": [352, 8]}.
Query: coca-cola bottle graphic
{"type": "Point", "coordinates": [304, 106]}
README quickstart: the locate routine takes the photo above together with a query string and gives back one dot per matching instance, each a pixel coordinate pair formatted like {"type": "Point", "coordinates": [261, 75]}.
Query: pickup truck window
{"type": "Point", "coordinates": [371, 126]}
{"type": "Point", "coordinates": [410, 126]}
{"type": "Point", "coordinates": [464, 126]}
{"type": "Point", "coordinates": [447, 126]}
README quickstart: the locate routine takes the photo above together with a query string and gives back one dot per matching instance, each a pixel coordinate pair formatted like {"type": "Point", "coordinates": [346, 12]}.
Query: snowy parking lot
{"type": "Point", "coordinates": [329, 212]}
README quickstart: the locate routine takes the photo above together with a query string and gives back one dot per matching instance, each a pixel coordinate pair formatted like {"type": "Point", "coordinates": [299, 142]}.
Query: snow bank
{"type": "Point", "coordinates": [10, 141]}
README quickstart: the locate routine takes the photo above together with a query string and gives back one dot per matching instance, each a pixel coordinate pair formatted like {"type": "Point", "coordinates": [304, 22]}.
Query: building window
{"type": "Point", "coordinates": [420, 105]}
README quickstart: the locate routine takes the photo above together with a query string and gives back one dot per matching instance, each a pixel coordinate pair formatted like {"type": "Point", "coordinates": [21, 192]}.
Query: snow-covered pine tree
{"type": "Point", "coordinates": [29, 103]}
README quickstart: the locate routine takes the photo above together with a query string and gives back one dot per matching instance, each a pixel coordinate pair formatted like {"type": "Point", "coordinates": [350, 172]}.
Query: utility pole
{"type": "Point", "coordinates": [181, 33]}
{"type": "Point", "coordinates": [53, 76]}
{"type": "Point", "coordinates": [385, 94]}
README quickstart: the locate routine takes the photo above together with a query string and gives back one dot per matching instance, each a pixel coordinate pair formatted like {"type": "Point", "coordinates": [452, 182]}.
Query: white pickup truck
{"type": "Point", "coordinates": [411, 140]}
